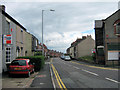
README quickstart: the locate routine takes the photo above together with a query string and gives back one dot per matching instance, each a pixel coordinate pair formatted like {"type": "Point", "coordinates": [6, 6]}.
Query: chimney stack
{"type": "Point", "coordinates": [83, 37]}
{"type": "Point", "coordinates": [2, 7]}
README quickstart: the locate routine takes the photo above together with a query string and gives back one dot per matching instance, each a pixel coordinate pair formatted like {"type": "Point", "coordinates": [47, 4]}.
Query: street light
{"type": "Point", "coordinates": [42, 31]}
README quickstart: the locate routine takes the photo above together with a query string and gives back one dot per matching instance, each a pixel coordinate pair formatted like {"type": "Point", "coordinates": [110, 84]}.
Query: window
{"type": "Point", "coordinates": [117, 28]}
{"type": "Point", "coordinates": [21, 36]}
{"type": "Point", "coordinates": [8, 54]}
{"type": "Point", "coordinates": [19, 62]}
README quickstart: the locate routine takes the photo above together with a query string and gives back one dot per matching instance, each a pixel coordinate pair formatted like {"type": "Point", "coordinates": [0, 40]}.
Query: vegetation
{"type": "Point", "coordinates": [37, 60]}
{"type": "Point", "coordinates": [87, 59]}
{"type": "Point", "coordinates": [38, 54]}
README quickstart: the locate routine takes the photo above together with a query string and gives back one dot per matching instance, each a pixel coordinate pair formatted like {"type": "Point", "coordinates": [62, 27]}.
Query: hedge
{"type": "Point", "coordinates": [38, 60]}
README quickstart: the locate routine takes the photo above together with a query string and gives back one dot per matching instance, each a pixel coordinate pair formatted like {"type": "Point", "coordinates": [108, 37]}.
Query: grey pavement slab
{"type": "Point", "coordinates": [43, 79]}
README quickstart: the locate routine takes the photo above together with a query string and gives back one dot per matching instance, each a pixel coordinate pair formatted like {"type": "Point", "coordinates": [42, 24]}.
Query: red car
{"type": "Point", "coordinates": [21, 66]}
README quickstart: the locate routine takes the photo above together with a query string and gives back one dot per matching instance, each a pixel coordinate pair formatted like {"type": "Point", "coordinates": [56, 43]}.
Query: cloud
{"type": "Point", "coordinates": [63, 26]}
{"type": "Point", "coordinates": [59, 1]}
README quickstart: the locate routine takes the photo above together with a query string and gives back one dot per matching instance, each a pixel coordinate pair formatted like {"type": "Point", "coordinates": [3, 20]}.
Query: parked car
{"type": "Point", "coordinates": [62, 57]}
{"type": "Point", "coordinates": [67, 58]}
{"type": "Point", "coordinates": [21, 66]}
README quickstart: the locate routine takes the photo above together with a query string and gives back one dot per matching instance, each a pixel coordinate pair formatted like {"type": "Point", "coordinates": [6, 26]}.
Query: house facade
{"type": "Point", "coordinates": [0, 41]}
{"type": "Point", "coordinates": [85, 47]}
{"type": "Point", "coordinates": [28, 44]}
{"type": "Point", "coordinates": [72, 52]}
{"type": "Point", "coordinates": [108, 46]}
{"type": "Point", "coordinates": [34, 44]}
{"type": "Point", "coordinates": [81, 47]}
{"type": "Point", "coordinates": [20, 41]}
{"type": "Point", "coordinates": [8, 39]}
{"type": "Point", "coordinates": [15, 40]}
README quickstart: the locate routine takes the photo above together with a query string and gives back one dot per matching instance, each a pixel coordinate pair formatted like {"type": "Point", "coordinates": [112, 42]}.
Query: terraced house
{"type": "Point", "coordinates": [81, 47]}
{"type": "Point", "coordinates": [16, 41]}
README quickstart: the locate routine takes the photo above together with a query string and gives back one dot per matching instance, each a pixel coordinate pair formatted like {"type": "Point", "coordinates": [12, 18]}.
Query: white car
{"type": "Point", "coordinates": [67, 58]}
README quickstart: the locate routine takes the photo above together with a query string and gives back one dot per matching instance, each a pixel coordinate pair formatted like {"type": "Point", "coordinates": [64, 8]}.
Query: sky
{"type": "Point", "coordinates": [71, 19]}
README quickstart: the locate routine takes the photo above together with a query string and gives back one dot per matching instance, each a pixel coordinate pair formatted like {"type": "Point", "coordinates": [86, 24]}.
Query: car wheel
{"type": "Point", "coordinates": [33, 70]}
{"type": "Point", "coordinates": [10, 75]}
{"type": "Point", "coordinates": [28, 75]}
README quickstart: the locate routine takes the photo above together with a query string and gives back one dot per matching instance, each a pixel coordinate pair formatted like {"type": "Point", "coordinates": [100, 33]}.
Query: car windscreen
{"type": "Point", "coordinates": [67, 56]}
{"type": "Point", "coordinates": [19, 62]}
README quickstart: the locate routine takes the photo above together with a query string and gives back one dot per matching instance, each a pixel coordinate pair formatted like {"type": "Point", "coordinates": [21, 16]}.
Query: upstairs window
{"type": "Point", "coordinates": [117, 28]}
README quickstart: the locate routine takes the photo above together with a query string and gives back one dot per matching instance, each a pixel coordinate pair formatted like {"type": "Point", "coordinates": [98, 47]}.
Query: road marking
{"type": "Point", "coordinates": [112, 80]}
{"type": "Point", "coordinates": [60, 83]}
{"type": "Point", "coordinates": [94, 66]}
{"type": "Point", "coordinates": [76, 67]}
{"type": "Point", "coordinates": [56, 76]}
{"type": "Point", "coordinates": [90, 72]}
{"type": "Point", "coordinates": [52, 79]}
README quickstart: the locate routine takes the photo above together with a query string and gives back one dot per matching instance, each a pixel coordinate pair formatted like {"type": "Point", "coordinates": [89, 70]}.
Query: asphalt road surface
{"type": "Point", "coordinates": [76, 74]}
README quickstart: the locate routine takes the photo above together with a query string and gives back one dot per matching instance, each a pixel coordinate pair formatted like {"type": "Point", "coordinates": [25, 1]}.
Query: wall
{"type": "Point", "coordinates": [20, 38]}
{"type": "Point", "coordinates": [0, 42]}
{"type": "Point", "coordinates": [85, 47]}
{"type": "Point", "coordinates": [111, 38]}
{"type": "Point", "coordinates": [28, 44]}
{"type": "Point", "coordinates": [72, 52]}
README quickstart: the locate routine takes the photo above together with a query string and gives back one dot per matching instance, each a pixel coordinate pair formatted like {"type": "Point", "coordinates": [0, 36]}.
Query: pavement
{"type": "Point", "coordinates": [37, 80]}
{"type": "Point", "coordinates": [43, 79]}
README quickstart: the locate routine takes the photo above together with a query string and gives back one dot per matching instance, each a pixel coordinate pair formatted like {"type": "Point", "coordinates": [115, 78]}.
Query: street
{"type": "Point", "coordinates": [74, 74]}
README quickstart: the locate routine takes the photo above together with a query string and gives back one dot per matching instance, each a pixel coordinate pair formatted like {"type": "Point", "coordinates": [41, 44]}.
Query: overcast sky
{"type": "Point", "coordinates": [69, 21]}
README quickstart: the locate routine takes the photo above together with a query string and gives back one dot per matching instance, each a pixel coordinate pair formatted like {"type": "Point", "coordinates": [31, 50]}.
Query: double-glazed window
{"type": "Point", "coordinates": [8, 54]}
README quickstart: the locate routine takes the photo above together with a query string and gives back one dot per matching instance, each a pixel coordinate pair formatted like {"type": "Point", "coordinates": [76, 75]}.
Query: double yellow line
{"type": "Point", "coordinates": [60, 83]}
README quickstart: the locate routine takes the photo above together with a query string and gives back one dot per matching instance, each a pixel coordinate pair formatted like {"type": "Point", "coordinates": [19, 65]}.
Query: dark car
{"type": "Point", "coordinates": [21, 66]}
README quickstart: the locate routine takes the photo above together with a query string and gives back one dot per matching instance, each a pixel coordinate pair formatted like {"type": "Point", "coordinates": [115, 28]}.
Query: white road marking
{"type": "Point", "coordinates": [76, 67]}
{"type": "Point", "coordinates": [90, 72]}
{"type": "Point", "coordinates": [112, 80]}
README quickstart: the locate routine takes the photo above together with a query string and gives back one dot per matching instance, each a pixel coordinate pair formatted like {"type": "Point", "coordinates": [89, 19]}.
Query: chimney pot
{"type": "Point", "coordinates": [2, 7]}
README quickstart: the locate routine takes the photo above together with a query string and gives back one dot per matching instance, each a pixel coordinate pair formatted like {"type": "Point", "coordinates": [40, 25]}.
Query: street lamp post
{"type": "Point", "coordinates": [42, 31]}
{"type": "Point", "coordinates": [42, 34]}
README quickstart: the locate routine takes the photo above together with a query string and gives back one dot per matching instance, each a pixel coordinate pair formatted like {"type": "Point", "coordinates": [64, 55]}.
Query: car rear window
{"type": "Point", "coordinates": [19, 62]}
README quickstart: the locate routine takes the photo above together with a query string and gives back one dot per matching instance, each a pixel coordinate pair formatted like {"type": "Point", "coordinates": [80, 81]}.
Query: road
{"type": "Point", "coordinates": [76, 74]}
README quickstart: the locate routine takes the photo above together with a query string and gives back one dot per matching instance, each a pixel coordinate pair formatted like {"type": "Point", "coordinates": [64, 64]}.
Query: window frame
{"type": "Point", "coordinates": [115, 27]}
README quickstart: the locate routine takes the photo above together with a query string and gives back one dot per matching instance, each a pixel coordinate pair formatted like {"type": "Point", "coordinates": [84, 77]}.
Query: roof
{"type": "Point", "coordinates": [12, 19]}
{"type": "Point", "coordinates": [113, 14]}
{"type": "Point", "coordinates": [43, 45]}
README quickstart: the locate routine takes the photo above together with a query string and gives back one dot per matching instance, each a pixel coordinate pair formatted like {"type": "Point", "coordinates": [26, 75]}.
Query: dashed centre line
{"type": "Point", "coordinates": [76, 67]}
{"type": "Point", "coordinates": [90, 72]}
{"type": "Point", "coordinates": [112, 80]}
